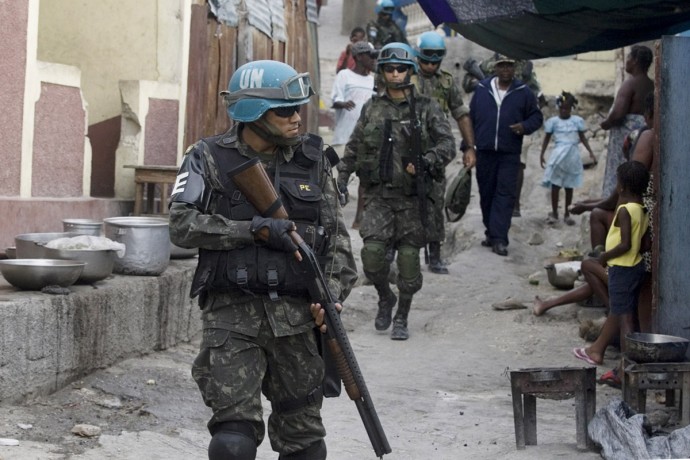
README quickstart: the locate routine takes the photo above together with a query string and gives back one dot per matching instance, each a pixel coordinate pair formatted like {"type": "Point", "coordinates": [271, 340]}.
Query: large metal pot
{"type": "Point", "coordinates": [147, 244]}
{"type": "Point", "coordinates": [655, 348]}
{"type": "Point", "coordinates": [99, 262]}
{"type": "Point", "coordinates": [32, 245]}
{"type": "Point", "coordinates": [83, 226]}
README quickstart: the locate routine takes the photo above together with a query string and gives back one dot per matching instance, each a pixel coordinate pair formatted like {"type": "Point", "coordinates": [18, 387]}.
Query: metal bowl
{"type": "Point", "coordinates": [655, 348]}
{"type": "Point", "coordinates": [99, 262]}
{"type": "Point", "coordinates": [35, 274]}
{"type": "Point", "coordinates": [32, 245]}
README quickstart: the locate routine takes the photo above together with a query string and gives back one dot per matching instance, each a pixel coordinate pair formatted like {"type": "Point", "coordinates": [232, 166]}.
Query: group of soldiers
{"type": "Point", "coordinates": [259, 334]}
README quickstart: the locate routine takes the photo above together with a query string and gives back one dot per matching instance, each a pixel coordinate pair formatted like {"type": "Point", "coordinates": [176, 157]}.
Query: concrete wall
{"type": "Point", "coordinates": [14, 18]}
{"type": "Point", "coordinates": [112, 40]}
{"type": "Point", "coordinates": [47, 341]}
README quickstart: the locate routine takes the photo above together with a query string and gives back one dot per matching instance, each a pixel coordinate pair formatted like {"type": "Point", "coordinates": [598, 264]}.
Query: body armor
{"type": "Point", "coordinates": [254, 268]}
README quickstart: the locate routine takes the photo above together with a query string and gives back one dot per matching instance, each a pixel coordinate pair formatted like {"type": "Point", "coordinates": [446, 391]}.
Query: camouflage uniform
{"type": "Point", "coordinates": [391, 208]}
{"type": "Point", "coordinates": [382, 34]}
{"type": "Point", "coordinates": [442, 88]}
{"type": "Point", "coordinates": [251, 343]}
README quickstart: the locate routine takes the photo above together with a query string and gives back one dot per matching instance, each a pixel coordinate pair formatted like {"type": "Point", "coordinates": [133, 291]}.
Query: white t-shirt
{"type": "Point", "coordinates": [349, 86]}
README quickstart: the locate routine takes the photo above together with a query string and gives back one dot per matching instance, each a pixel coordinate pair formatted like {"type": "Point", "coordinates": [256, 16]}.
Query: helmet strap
{"type": "Point", "coordinates": [269, 132]}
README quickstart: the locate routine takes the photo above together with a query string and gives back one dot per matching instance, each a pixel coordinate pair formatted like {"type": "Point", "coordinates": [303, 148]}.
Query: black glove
{"type": "Point", "coordinates": [343, 194]}
{"type": "Point", "coordinates": [278, 232]}
{"type": "Point", "coordinates": [433, 167]}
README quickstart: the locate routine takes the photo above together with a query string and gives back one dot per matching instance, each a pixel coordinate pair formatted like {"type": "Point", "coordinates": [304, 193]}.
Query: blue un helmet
{"type": "Point", "coordinates": [397, 53]}
{"type": "Point", "coordinates": [431, 47]}
{"type": "Point", "coordinates": [385, 6]}
{"type": "Point", "coordinates": [258, 86]}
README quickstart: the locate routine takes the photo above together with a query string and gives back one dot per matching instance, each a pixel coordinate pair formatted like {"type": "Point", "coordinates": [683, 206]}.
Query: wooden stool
{"type": "Point", "coordinates": [640, 377]}
{"type": "Point", "coordinates": [151, 176]}
{"type": "Point", "coordinates": [552, 383]}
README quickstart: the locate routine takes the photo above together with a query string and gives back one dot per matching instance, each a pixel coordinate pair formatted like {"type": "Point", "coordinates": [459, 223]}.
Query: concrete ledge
{"type": "Point", "coordinates": [48, 341]}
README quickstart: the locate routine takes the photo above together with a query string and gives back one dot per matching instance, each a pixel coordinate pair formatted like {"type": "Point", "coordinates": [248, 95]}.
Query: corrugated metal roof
{"type": "Point", "coordinates": [259, 15]}
{"type": "Point", "coordinates": [278, 20]}
{"type": "Point", "coordinates": [266, 15]}
{"type": "Point", "coordinates": [312, 12]}
{"type": "Point", "coordinates": [225, 11]}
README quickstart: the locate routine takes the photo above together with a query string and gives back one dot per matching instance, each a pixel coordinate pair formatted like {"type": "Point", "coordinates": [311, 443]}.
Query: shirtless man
{"type": "Point", "coordinates": [626, 115]}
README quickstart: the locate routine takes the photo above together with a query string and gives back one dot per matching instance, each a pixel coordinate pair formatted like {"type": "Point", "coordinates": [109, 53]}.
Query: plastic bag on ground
{"type": "Point", "coordinates": [623, 434]}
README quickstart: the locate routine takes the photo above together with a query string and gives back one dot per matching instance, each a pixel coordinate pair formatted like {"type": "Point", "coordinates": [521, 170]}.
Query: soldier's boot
{"type": "Point", "coordinates": [232, 440]}
{"type": "Point", "coordinates": [400, 331]}
{"type": "Point", "coordinates": [436, 265]}
{"type": "Point", "coordinates": [387, 300]}
{"type": "Point", "coordinates": [316, 451]}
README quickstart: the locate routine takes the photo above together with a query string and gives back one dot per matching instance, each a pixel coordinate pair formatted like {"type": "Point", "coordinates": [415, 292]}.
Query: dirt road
{"type": "Point", "coordinates": [443, 394]}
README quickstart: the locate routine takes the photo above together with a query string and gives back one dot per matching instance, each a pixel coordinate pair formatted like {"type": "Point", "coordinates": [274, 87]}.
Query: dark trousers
{"type": "Point", "coordinates": [497, 175]}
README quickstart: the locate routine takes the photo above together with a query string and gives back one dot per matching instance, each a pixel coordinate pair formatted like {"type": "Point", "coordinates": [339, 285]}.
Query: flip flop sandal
{"type": "Point", "coordinates": [611, 379]}
{"type": "Point", "coordinates": [580, 353]}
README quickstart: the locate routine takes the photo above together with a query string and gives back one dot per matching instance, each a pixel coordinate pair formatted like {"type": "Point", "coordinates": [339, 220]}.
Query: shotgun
{"type": "Point", "coordinates": [253, 181]}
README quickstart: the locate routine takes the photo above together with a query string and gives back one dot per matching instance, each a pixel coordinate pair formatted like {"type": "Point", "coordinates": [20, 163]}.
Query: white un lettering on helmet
{"type": "Point", "coordinates": [251, 78]}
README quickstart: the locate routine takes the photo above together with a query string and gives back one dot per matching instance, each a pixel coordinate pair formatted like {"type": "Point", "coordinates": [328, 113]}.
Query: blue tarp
{"type": "Point", "coordinates": [532, 29]}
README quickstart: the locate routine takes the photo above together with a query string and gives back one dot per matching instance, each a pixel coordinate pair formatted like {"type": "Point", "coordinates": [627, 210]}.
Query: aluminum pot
{"type": "Point", "coordinates": [147, 244]}
{"type": "Point", "coordinates": [83, 226]}
{"type": "Point", "coordinates": [655, 348]}
{"type": "Point", "coordinates": [32, 245]}
{"type": "Point", "coordinates": [99, 262]}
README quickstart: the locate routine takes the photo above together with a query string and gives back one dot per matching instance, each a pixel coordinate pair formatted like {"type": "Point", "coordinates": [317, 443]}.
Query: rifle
{"type": "Point", "coordinates": [253, 181]}
{"type": "Point", "coordinates": [418, 157]}
{"type": "Point", "coordinates": [471, 66]}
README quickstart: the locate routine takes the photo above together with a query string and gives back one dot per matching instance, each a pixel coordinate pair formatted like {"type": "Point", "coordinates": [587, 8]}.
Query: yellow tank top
{"type": "Point", "coordinates": [639, 222]}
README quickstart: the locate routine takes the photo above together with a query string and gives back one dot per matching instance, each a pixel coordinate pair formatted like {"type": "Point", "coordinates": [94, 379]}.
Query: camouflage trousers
{"type": "Point", "coordinates": [392, 220]}
{"type": "Point", "coordinates": [232, 370]}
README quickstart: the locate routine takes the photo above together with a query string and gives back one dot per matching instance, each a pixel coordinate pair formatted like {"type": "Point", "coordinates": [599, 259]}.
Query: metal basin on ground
{"type": "Point", "coordinates": [32, 245]}
{"type": "Point", "coordinates": [656, 348]}
{"type": "Point", "coordinates": [99, 262]}
{"type": "Point", "coordinates": [35, 274]}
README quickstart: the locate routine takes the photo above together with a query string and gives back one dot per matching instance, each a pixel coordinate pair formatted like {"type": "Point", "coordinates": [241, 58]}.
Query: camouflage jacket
{"type": "Point", "coordinates": [443, 89]}
{"type": "Point", "coordinates": [368, 140]}
{"type": "Point", "coordinates": [238, 311]}
{"type": "Point", "coordinates": [383, 34]}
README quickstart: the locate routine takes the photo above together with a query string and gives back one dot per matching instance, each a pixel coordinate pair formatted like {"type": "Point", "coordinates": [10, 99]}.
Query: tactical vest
{"type": "Point", "coordinates": [253, 268]}
{"type": "Point", "coordinates": [385, 146]}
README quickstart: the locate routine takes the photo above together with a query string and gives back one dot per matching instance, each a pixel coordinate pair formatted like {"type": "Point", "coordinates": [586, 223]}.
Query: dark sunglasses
{"type": "Point", "coordinates": [425, 62]}
{"type": "Point", "coordinates": [286, 112]}
{"type": "Point", "coordinates": [395, 68]}
{"type": "Point", "coordinates": [434, 54]}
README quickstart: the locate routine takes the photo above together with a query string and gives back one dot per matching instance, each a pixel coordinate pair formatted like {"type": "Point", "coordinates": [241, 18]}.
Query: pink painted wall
{"type": "Point", "coordinates": [58, 160]}
{"type": "Point", "coordinates": [13, 17]}
{"type": "Point", "coordinates": [160, 147]}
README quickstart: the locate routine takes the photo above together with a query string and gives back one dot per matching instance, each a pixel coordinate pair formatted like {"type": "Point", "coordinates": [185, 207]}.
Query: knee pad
{"type": "Point", "coordinates": [374, 256]}
{"type": "Point", "coordinates": [316, 451]}
{"type": "Point", "coordinates": [232, 441]}
{"type": "Point", "coordinates": [408, 262]}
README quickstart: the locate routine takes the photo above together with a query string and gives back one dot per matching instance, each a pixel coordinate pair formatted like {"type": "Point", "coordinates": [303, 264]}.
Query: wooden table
{"type": "Point", "coordinates": [150, 176]}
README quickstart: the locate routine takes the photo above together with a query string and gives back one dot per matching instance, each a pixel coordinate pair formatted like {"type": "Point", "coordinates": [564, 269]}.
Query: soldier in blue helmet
{"type": "Point", "coordinates": [259, 334]}
{"type": "Point", "coordinates": [384, 30]}
{"type": "Point", "coordinates": [381, 151]}
{"type": "Point", "coordinates": [438, 84]}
